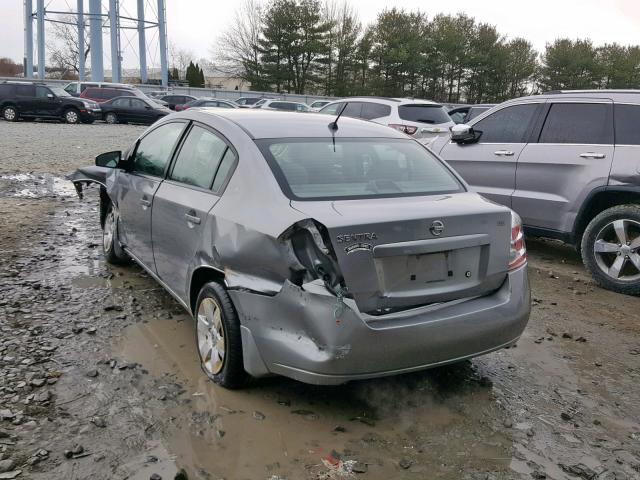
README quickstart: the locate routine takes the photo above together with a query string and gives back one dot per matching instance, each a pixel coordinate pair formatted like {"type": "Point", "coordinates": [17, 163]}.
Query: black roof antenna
{"type": "Point", "coordinates": [333, 126]}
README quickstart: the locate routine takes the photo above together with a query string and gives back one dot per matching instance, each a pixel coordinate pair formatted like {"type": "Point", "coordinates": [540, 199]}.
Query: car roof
{"type": "Point", "coordinates": [388, 100]}
{"type": "Point", "coordinates": [620, 96]}
{"type": "Point", "coordinates": [259, 123]}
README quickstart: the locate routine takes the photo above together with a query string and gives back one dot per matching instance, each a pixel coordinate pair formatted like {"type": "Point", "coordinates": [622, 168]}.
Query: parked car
{"type": "Point", "coordinates": [246, 102]}
{"type": "Point", "coordinates": [318, 104]}
{"type": "Point", "coordinates": [467, 113]}
{"type": "Point", "coordinates": [174, 100]}
{"type": "Point", "coordinates": [206, 102]}
{"type": "Point", "coordinates": [77, 87]}
{"type": "Point", "coordinates": [32, 100]}
{"type": "Point", "coordinates": [132, 110]}
{"type": "Point", "coordinates": [568, 163]}
{"type": "Point", "coordinates": [282, 105]}
{"type": "Point", "coordinates": [416, 118]}
{"type": "Point", "coordinates": [306, 251]}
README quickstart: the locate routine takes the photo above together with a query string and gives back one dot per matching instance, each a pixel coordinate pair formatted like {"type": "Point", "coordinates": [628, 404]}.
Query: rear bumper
{"type": "Point", "coordinates": [295, 333]}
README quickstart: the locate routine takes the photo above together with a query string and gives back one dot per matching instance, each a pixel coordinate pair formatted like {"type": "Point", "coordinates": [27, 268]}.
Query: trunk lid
{"type": "Point", "coordinates": [398, 253]}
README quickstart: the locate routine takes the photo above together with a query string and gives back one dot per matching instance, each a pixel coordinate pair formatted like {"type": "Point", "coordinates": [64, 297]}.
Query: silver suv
{"type": "Point", "coordinates": [569, 163]}
{"type": "Point", "coordinates": [420, 119]}
{"type": "Point", "coordinates": [321, 252]}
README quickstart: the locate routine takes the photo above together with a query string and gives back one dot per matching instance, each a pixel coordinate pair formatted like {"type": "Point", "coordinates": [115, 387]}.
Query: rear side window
{"type": "Point", "coordinates": [121, 102]}
{"type": "Point", "coordinates": [154, 150]}
{"type": "Point", "coordinates": [228, 161]}
{"type": "Point", "coordinates": [375, 110]}
{"type": "Point", "coordinates": [108, 94]}
{"type": "Point", "coordinates": [283, 106]}
{"type": "Point", "coordinates": [423, 113]}
{"type": "Point", "coordinates": [318, 169]}
{"type": "Point", "coordinates": [332, 109]}
{"type": "Point", "coordinates": [6, 90]}
{"type": "Point", "coordinates": [586, 123]}
{"type": "Point", "coordinates": [25, 90]}
{"type": "Point", "coordinates": [508, 125]}
{"type": "Point", "coordinates": [199, 158]}
{"type": "Point", "coordinates": [627, 121]}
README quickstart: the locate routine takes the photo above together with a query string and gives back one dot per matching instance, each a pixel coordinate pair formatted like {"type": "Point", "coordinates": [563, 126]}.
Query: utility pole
{"type": "Point", "coordinates": [80, 40]}
{"type": "Point", "coordinates": [95, 31]}
{"type": "Point", "coordinates": [114, 30]}
{"type": "Point", "coordinates": [162, 36]}
{"type": "Point", "coordinates": [40, 25]}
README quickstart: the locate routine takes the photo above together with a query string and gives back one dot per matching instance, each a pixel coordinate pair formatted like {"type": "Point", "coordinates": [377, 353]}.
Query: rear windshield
{"type": "Point", "coordinates": [316, 169]}
{"type": "Point", "coordinates": [423, 113]}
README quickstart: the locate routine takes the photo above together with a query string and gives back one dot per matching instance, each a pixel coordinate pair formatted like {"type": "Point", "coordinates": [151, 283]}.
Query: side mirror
{"type": "Point", "coordinates": [463, 133]}
{"type": "Point", "coordinates": [109, 159]}
{"type": "Point", "coordinates": [50, 96]}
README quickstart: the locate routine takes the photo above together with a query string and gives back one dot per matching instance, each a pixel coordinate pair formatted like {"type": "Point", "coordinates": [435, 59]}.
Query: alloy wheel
{"type": "Point", "coordinates": [108, 231]}
{"type": "Point", "coordinates": [617, 250]}
{"type": "Point", "coordinates": [10, 114]}
{"type": "Point", "coordinates": [211, 341]}
{"type": "Point", "coordinates": [71, 117]}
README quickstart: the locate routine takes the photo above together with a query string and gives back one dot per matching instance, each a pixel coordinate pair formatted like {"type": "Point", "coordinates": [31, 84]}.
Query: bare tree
{"type": "Point", "coordinates": [64, 47]}
{"type": "Point", "coordinates": [180, 58]}
{"type": "Point", "coordinates": [236, 52]}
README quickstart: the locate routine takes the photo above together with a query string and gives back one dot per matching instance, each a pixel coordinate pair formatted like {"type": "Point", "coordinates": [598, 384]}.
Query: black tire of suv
{"type": "Point", "coordinates": [113, 253]}
{"type": "Point", "coordinates": [6, 113]}
{"type": "Point", "coordinates": [631, 212]}
{"type": "Point", "coordinates": [232, 375]}
{"type": "Point", "coordinates": [69, 119]}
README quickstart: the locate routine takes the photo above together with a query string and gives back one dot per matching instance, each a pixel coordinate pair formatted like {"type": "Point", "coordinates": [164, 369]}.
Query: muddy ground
{"type": "Point", "coordinates": [99, 377]}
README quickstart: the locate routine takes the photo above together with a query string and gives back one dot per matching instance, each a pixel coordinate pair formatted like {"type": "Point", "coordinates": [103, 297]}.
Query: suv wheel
{"type": "Point", "coordinates": [113, 251]}
{"type": "Point", "coordinates": [611, 249]}
{"type": "Point", "coordinates": [72, 116]}
{"type": "Point", "coordinates": [218, 338]}
{"type": "Point", "coordinates": [111, 118]}
{"type": "Point", "coordinates": [10, 113]}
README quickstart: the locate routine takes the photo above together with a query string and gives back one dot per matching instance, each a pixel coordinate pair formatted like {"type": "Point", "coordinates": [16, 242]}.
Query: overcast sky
{"type": "Point", "coordinates": [194, 24]}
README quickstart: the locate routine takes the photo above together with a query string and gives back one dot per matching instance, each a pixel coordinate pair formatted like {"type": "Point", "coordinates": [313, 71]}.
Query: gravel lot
{"type": "Point", "coordinates": [99, 377]}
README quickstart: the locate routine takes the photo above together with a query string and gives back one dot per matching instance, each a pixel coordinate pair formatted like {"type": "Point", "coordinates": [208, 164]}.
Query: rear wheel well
{"type": "Point", "coordinates": [200, 277]}
{"type": "Point", "coordinates": [599, 203]}
{"type": "Point", "coordinates": [105, 201]}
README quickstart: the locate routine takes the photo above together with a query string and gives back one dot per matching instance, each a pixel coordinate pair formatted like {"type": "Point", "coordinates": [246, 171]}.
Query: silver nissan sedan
{"type": "Point", "coordinates": [322, 249]}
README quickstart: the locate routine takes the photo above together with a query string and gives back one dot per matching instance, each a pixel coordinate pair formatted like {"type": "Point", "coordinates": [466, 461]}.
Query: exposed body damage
{"type": "Point", "coordinates": [325, 291]}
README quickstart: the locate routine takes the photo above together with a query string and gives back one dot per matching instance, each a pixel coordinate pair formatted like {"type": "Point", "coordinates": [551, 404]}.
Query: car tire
{"type": "Point", "coordinates": [10, 113]}
{"type": "Point", "coordinates": [111, 118]}
{"type": "Point", "coordinates": [111, 247]}
{"type": "Point", "coordinates": [611, 249]}
{"type": "Point", "coordinates": [72, 116]}
{"type": "Point", "coordinates": [218, 338]}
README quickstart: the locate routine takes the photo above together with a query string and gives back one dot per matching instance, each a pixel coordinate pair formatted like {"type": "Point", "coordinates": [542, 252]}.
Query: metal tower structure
{"type": "Point", "coordinates": [97, 21]}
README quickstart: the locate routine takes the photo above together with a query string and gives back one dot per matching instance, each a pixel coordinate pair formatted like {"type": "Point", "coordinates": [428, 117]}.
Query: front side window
{"type": "Point", "coordinates": [627, 120]}
{"type": "Point", "coordinates": [316, 169]}
{"type": "Point", "coordinates": [580, 123]}
{"type": "Point", "coordinates": [136, 103]}
{"type": "Point", "coordinates": [508, 125]}
{"type": "Point", "coordinates": [332, 109]}
{"type": "Point", "coordinates": [42, 92]}
{"type": "Point", "coordinates": [199, 158]}
{"type": "Point", "coordinates": [154, 150]}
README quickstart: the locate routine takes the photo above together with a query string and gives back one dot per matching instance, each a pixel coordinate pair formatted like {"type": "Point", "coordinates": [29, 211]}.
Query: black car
{"type": "Point", "coordinates": [174, 100]}
{"type": "Point", "coordinates": [132, 110]}
{"type": "Point", "coordinates": [32, 100]}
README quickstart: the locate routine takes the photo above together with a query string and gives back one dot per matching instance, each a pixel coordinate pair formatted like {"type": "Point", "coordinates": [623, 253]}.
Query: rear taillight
{"type": "Point", "coordinates": [408, 129]}
{"type": "Point", "coordinates": [517, 249]}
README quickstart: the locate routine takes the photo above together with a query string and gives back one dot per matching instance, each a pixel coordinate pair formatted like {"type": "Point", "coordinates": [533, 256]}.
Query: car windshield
{"type": "Point", "coordinates": [423, 113]}
{"type": "Point", "coordinates": [318, 169]}
{"type": "Point", "coordinates": [60, 92]}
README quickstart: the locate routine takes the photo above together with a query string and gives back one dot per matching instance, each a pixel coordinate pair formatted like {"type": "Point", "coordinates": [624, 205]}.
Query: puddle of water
{"type": "Point", "coordinates": [36, 186]}
{"type": "Point", "coordinates": [440, 423]}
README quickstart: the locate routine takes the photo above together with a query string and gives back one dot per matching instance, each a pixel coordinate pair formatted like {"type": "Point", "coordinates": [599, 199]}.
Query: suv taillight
{"type": "Point", "coordinates": [517, 248]}
{"type": "Point", "coordinates": [408, 129]}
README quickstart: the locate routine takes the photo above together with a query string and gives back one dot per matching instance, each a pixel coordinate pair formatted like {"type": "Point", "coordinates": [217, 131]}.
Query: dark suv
{"type": "Point", "coordinates": [31, 100]}
{"type": "Point", "coordinates": [569, 164]}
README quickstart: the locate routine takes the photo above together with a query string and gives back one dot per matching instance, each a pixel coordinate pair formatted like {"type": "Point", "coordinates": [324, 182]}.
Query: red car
{"type": "Point", "coordinates": [101, 95]}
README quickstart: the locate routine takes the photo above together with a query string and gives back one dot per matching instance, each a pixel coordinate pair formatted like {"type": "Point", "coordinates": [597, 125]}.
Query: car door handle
{"type": "Point", "coordinates": [145, 203]}
{"type": "Point", "coordinates": [592, 155]}
{"type": "Point", "coordinates": [192, 218]}
{"type": "Point", "coordinates": [503, 153]}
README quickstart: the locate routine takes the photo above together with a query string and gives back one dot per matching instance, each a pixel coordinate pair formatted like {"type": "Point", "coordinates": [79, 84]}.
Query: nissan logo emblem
{"type": "Point", "coordinates": [437, 227]}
